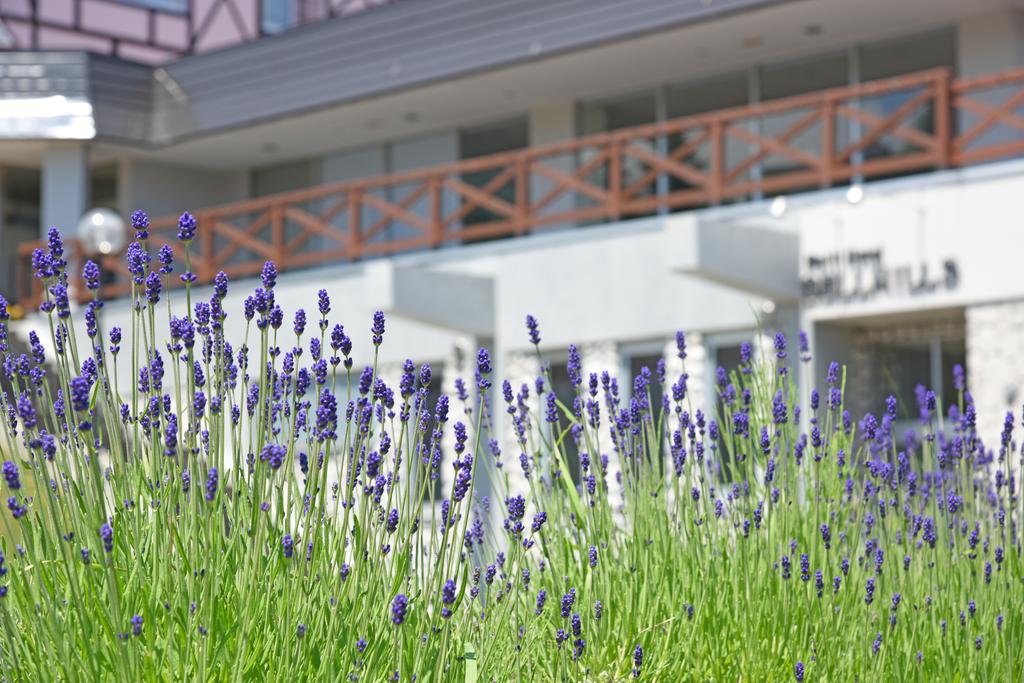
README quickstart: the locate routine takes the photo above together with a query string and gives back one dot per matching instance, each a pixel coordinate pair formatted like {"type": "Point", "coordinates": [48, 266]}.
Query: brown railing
{"type": "Point", "coordinates": [914, 123]}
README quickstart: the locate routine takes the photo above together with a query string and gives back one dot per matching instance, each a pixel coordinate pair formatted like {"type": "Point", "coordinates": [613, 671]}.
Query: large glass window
{"type": "Point", "coordinates": [894, 58]}
{"type": "Point", "coordinates": [895, 359]}
{"type": "Point", "coordinates": [725, 355]}
{"type": "Point", "coordinates": [278, 15]}
{"type": "Point", "coordinates": [908, 54]}
{"type": "Point", "coordinates": [103, 187]}
{"type": "Point", "coordinates": [493, 138]}
{"type": "Point", "coordinates": [19, 223]}
{"type": "Point", "coordinates": [637, 361]}
{"type": "Point", "coordinates": [599, 116]}
{"type": "Point", "coordinates": [787, 80]}
{"type": "Point", "coordinates": [285, 177]}
{"type": "Point", "coordinates": [435, 489]}
{"type": "Point", "coordinates": [635, 109]}
{"type": "Point", "coordinates": [178, 6]}
{"type": "Point", "coordinates": [566, 393]}
{"type": "Point", "coordinates": [698, 97]}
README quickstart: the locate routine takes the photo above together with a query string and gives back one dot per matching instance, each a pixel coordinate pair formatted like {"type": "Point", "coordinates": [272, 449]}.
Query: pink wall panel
{"type": "Point", "coordinates": [249, 13]}
{"type": "Point", "coordinates": [15, 8]}
{"type": "Point", "coordinates": [59, 39]}
{"type": "Point", "coordinates": [154, 36]}
{"type": "Point", "coordinates": [22, 32]}
{"type": "Point", "coordinates": [57, 11]}
{"type": "Point", "coordinates": [221, 31]}
{"type": "Point", "coordinates": [142, 54]}
{"type": "Point", "coordinates": [200, 8]}
{"type": "Point", "coordinates": [172, 31]}
{"type": "Point", "coordinates": [114, 19]}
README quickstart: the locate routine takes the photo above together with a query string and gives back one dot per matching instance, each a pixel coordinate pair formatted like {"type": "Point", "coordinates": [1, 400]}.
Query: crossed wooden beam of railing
{"type": "Point", "coordinates": [711, 157]}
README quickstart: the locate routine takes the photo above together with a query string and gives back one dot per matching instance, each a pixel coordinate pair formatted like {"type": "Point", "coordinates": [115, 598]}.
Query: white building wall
{"type": "Point", "coordinates": [995, 364]}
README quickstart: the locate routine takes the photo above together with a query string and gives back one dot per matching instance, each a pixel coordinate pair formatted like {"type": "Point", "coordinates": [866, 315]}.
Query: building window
{"type": "Point", "coordinates": [624, 111]}
{"type": "Point", "coordinates": [908, 54]}
{"type": "Point", "coordinates": [435, 488]}
{"type": "Point", "coordinates": [892, 58]}
{"type": "Point", "coordinates": [565, 392]}
{"type": "Point", "coordinates": [176, 6]}
{"type": "Point", "coordinates": [894, 360]}
{"type": "Point", "coordinates": [698, 97]}
{"type": "Point", "coordinates": [277, 15]}
{"type": "Point", "coordinates": [723, 356]}
{"type": "Point", "coordinates": [20, 196]}
{"type": "Point", "coordinates": [647, 361]}
{"type": "Point", "coordinates": [493, 138]}
{"type": "Point", "coordinates": [635, 361]}
{"type": "Point", "coordinates": [103, 190]}
{"type": "Point", "coordinates": [787, 80]}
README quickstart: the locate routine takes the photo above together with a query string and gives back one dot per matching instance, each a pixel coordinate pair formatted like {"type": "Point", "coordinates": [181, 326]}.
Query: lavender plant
{"type": "Point", "coordinates": [265, 511]}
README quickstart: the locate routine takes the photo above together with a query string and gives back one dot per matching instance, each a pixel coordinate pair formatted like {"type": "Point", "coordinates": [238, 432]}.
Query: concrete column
{"type": "Point", "coordinates": [458, 363]}
{"type": "Point", "coordinates": [995, 370]}
{"type": "Point", "coordinates": [990, 42]}
{"type": "Point", "coordinates": [700, 376]}
{"type": "Point", "coordinates": [549, 124]}
{"type": "Point", "coordinates": [521, 367]}
{"type": "Point", "coordinates": [598, 357]}
{"type": "Point", "coordinates": [65, 186]}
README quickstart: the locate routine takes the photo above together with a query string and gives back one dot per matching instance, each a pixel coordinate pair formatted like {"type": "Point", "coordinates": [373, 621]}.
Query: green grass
{"type": "Point", "coordinates": [706, 600]}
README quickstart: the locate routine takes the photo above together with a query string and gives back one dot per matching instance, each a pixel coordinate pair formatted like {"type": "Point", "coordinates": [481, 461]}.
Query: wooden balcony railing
{"type": "Point", "coordinates": [914, 123]}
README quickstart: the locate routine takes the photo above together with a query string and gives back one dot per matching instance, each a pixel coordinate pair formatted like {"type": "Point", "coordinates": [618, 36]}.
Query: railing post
{"type": "Point", "coordinates": [436, 211]}
{"type": "Point", "coordinates": [277, 233]}
{"type": "Point", "coordinates": [716, 172]}
{"type": "Point", "coordinates": [943, 119]}
{"type": "Point", "coordinates": [615, 197]}
{"type": "Point", "coordinates": [828, 141]}
{"type": "Point", "coordinates": [355, 223]}
{"type": "Point", "coordinates": [522, 195]}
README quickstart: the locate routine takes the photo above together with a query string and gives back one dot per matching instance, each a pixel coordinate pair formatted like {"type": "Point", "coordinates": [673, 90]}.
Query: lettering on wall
{"type": "Point", "coordinates": [839, 277]}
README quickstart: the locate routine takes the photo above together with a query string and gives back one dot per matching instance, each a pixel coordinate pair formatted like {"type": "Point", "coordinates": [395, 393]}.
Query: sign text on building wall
{"type": "Point", "coordinates": [860, 275]}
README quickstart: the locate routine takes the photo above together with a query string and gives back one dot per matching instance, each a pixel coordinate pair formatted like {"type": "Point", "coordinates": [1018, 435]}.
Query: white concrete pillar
{"type": "Point", "coordinates": [549, 124]}
{"type": "Point", "coordinates": [995, 370]}
{"type": "Point", "coordinates": [697, 366]}
{"type": "Point", "coordinates": [458, 363]}
{"type": "Point", "coordinates": [598, 357]}
{"type": "Point", "coordinates": [65, 186]}
{"type": "Point", "coordinates": [990, 42]}
{"type": "Point", "coordinates": [521, 367]}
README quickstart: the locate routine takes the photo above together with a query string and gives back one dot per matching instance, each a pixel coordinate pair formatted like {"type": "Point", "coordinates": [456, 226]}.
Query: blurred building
{"type": "Point", "coordinates": [618, 168]}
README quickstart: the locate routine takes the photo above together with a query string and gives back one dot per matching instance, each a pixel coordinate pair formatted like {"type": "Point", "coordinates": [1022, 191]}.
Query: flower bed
{"type": "Point", "coordinates": [263, 511]}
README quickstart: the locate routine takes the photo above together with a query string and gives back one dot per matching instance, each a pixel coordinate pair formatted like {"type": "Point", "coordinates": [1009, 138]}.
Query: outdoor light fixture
{"type": "Point", "coordinates": [101, 231]}
{"type": "Point", "coordinates": [777, 207]}
{"type": "Point", "coordinates": [855, 193]}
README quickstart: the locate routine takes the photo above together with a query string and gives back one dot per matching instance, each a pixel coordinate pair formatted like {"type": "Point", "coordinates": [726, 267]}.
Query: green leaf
{"type": "Point", "coordinates": [471, 671]}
